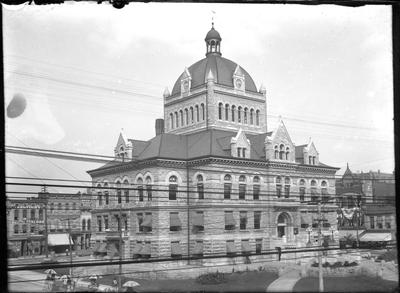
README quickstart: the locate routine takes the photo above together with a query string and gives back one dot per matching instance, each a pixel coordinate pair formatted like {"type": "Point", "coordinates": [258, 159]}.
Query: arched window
{"type": "Point", "coordinates": [287, 187]}
{"type": "Point", "coordinates": [67, 206]}
{"type": "Point", "coordinates": [220, 111]}
{"type": "Point", "coordinates": [182, 119]}
{"type": "Point", "coordinates": [324, 191]}
{"type": "Point", "coordinates": [106, 194]}
{"type": "Point", "coordinates": [313, 160]}
{"type": "Point", "coordinates": [226, 112]}
{"type": "Point", "coordinates": [88, 224]}
{"type": "Point", "coordinates": [59, 207]}
{"type": "Point", "coordinates": [149, 189]}
{"type": "Point", "coordinates": [281, 152]}
{"type": "Point", "coordinates": [256, 188]}
{"type": "Point", "coordinates": [251, 116]}
{"type": "Point", "coordinates": [52, 207]}
{"type": "Point", "coordinates": [242, 187]}
{"type": "Point", "coordinates": [176, 120]}
{"type": "Point", "coordinates": [240, 114]}
{"type": "Point", "coordinates": [171, 121]}
{"type": "Point", "coordinates": [278, 186]}
{"type": "Point", "coordinates": [203, 112]}
{"type": "Point", "coordinates": [197, 113]}
{"type": "Point", "coordinates": [302, 189]}
{"type": "Point", "coordinates": [227, 186]}
{"type": "Point", "coordinates": [74, 206]}
{"type": "Point", "coordinates": [233, 113]}
{"type": "Point", "coordinates": [287, 153]}
{"type": "Point", "coordinates": [83, 224]}
{"type": "Point", "coordinates": [139, 183]}
{"type": "Point", "coordinates": [245, 115]}
{"type": "Point", "coordinates": [173, 187]}
{"type": "Point", "coordinates": [99, 196]}
{"type": "Point", "coordinates": [200, 186]}
{"type": "Point", "coordinates": [276, 152]}
{"type": "Point", "coordinates": [187, 116]}
{"type": "Point", "coordinates": [282, 225]}
{"type": "Point", "coordinates": [258, 117]}
{"type": "Point", "coordinates": [126, 191]}
{"type": "Point", "coordinates": [119, 192]}
{"type": "Point", "coordinates": [191, 115]}
{"type": "Point", "coordinates": [314, 193]}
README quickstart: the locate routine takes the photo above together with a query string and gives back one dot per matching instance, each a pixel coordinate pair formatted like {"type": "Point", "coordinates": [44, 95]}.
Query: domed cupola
{"type": "Point", "coordinates": [213, 42]}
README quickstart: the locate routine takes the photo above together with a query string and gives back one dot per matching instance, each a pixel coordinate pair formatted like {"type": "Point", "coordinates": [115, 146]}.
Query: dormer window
{"type": "Point", "coordinates": [281, 152]}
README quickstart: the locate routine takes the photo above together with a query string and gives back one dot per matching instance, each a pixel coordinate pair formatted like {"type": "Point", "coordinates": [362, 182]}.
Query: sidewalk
{"type": "Point", "coordinates": [284, 283]}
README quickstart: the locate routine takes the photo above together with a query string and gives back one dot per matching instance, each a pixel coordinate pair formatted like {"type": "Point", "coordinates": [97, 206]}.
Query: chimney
{"type": "Point", "coordinates": [159, 126]}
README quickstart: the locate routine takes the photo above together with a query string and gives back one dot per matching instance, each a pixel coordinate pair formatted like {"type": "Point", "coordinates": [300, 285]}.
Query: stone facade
{"type": "Point", "coordinates": [212, 184]}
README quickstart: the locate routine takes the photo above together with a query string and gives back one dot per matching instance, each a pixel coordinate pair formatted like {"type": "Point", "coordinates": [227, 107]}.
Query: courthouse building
{"type": "Point", "coordinates": [215, 180]}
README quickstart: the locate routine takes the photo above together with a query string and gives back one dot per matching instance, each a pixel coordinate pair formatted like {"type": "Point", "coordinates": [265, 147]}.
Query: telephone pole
{"type": "Point", "coordinates": [70, 248]}
{"type": "Point", "coordinates": [120, 247]}
{"type": "Point", "coordinates": [321, 280]}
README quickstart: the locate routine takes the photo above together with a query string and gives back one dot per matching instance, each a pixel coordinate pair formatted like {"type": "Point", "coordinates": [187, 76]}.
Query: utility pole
{"type": "Point", "coordinates": [46, 232]}
{"type": "Point", "coordinates": [120, 247]}
{"type": "Point", "coordinates": [70, 248]}
{"type": "Point", "coordinates": [188, 211]}
{"type": "Point", "coordinates": [321, 280]}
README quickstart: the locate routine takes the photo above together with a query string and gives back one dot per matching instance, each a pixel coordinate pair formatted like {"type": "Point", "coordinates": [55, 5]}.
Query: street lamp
{"type": "Point", "coordinates": [309, 230]}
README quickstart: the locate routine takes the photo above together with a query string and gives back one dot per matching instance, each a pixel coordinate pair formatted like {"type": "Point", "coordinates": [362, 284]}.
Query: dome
{"type": "Point", "coordinates": [222, 70]}
{"type": "Point", "coordinates": [212, 34]}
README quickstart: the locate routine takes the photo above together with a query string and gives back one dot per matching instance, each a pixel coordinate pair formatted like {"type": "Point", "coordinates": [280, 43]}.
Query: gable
{"type": "Point", "coordinates": [281, 135]}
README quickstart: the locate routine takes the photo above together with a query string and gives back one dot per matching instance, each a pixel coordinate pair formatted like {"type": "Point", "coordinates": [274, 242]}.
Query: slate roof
{"type": "Point", "coordinates": [299, 153]}
{"type": "Point", "coordinates": [212, 142]}
{"type": "Point", "coordinates": [221, 68]}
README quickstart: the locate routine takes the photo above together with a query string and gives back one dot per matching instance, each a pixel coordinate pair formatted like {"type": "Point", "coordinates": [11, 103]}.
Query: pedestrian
{"type": "Point", "coordinates": [279, 252]}
{"type": "Point", "coordinates": [47, 283]}
{"type": "Point", "coordinates": [115, 285]}
{"type": "Point", "coordinates": [69, 284]}
{"type": "Point", "coordinates": [66, 252]}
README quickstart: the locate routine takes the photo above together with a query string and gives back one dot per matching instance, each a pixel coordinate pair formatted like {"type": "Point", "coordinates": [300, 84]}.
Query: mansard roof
{"type": "Point", "coordinates": [206, 143]}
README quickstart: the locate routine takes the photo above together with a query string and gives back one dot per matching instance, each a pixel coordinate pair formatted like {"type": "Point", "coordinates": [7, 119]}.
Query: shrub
{"type": "Point", "coordinates": [326, 264]}
{"type": "Point", "coordinates": [211, 278]}
{"type": "Point", "coordinates": [346, 264]}
{"type": "Point", "coordinates": [315, 265]}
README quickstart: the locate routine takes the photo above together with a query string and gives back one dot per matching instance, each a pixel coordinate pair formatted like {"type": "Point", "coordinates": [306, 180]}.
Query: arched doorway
{"type": "Point", "coordinates": [283, 224]}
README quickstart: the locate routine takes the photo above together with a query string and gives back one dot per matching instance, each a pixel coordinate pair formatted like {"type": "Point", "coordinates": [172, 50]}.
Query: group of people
{"type": "Point", "coordinates": [50, 284]}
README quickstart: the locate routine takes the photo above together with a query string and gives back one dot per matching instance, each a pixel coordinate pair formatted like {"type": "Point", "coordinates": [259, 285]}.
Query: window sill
{"type": "Point", "coordinates": [244, 230]}
{"type": "Point", "coordinates": [230, 231]}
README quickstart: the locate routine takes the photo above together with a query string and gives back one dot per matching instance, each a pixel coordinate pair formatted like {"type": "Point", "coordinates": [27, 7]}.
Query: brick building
{"type": "Point", "coordinates": [214, 180]}
{"type": "Point", "coordinates": [25, 226]}
{"type": "Point", "coordinates": [27, 218]}
{"type": "Point", "coordinates": [367, 203]}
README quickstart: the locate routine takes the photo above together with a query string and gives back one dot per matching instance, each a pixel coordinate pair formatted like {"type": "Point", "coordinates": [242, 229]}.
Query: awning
{"type": "Point", "coordinates": [58, 239]}
{"type": "Point", "coordinates": [136, 250]}
{"type": "Point", "coordinates": [369, 236]}
{"type": "Point", "coordinates": [230, 247]}
{"type": "Point", "coordinates": [102, 248]}
{"type": "Point", "coordinates": [198, 219]}
{"type": "Point", "coordinates": [96, 247]}
{"type": "Point", "coordinates": [246, 246]}
{"type": "Point", "coordinates": [147, 222]}
{"type": "Point", "coordinates": [176, 248]}
{"type": "Point", "coordinates": [145, 249]}
{"type": "Point", "coordinates": [198, 248]}
{"type": "Point", "coordinates": [303, 220]}
{"type": "Point", "coordinates": [229, 220]}
{"type": "Point", "coordinates": [175, 221]}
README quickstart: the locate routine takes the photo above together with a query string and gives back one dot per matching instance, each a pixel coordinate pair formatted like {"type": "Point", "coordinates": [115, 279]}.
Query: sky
{"type": "Point", "coordinates": [89, 70]}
